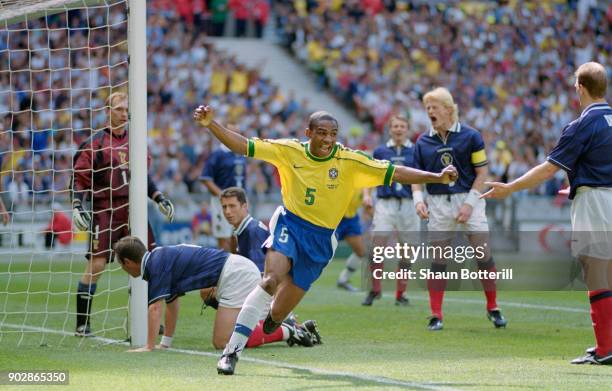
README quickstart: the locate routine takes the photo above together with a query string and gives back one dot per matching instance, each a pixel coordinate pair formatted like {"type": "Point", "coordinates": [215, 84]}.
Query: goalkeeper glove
{"type": "Point", "coordinates": [165, 207]}
{"type": "Point", "coordinates": [80, 218]}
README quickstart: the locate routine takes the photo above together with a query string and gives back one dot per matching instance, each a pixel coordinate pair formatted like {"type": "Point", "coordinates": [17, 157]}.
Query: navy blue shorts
{"type": "Point", "coordinates": [349, 226]}
{"type": "Point", "coordinates": [308, 246]}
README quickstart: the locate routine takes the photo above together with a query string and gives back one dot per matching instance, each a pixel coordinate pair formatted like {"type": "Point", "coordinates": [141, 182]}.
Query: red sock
{"type": "Point", "coordinates": [436, 290]}
{"type": "Point", "coordinates": [489, 285]}
{"type": "Point", "coordinates": [258, 337]}
{"type": "Point", "coordinates": [601, 315]}
{"type": "Point", "coordinates": [375, 282]}
{"type": "Point", "coordinates": [402, 284]}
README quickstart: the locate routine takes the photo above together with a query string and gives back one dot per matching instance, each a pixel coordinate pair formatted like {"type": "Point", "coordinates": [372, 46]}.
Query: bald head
{"type": "Point", "coordinates": [592, 76]}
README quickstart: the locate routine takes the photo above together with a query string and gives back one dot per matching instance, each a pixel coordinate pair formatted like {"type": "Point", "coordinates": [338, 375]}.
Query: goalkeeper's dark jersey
{"type": "Point", "coordinates": [101, 166]}
{"type": "Point", "coordinates": [174, 270]}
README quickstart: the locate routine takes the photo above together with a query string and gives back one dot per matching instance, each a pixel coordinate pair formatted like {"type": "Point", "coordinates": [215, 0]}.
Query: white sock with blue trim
{"type": "Point", "coordinates": [252, 311]}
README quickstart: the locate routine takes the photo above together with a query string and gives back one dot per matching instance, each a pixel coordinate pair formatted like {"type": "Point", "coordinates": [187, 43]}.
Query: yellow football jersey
{"type": "Point", "coordinates": [319, 190]}
{"type": "Point", "coordinates": [354, 205]}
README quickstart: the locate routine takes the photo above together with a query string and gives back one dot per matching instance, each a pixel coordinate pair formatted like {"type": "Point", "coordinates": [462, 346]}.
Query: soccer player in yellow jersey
{"type": "Point", "coordinates": [319, 178]}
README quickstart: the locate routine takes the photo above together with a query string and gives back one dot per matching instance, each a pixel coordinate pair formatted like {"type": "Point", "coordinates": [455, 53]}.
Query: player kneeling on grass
{"type": "Point", "coordinates": [172, 271]}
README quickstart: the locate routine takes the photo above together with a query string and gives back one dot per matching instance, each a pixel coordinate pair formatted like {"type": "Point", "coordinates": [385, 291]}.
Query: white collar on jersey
{"type": "Point", "coordinates": [456, 128]}
{"type": "Point", "coordinates": [406, 143]}
{"type": "Point", "coordinates": [243, 224]}
{"type": "Point", "coordinates": [595, 106]}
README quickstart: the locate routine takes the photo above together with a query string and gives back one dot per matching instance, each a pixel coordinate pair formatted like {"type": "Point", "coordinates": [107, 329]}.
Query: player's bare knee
{"type": "Point", "coordinates": [270, 283]}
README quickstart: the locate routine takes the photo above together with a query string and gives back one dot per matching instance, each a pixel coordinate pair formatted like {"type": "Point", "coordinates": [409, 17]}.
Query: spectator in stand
{"type": "Point", "coordinates": [242, 13]}
{"type": "Point", "coordinates": [201, 224]}
{"type": "Point", "coordinates": [58, 229]}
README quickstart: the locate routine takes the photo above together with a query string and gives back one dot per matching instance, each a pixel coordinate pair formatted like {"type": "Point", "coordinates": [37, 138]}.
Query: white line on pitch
{"type": "Point", "coordinates": [278, 364]}
{"type": "Point", "coordinates": [480, 302]}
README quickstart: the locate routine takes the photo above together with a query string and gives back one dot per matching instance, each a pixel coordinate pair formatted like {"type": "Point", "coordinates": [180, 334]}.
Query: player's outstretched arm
{"type": "Point", "coordinates": [154, 318]}
{"type": "Point", "coordinates": [409, 175]}
{"type": "Point", "coordinates": [237, 143]}
{"type": "Point", "coordinates": [530, 179]}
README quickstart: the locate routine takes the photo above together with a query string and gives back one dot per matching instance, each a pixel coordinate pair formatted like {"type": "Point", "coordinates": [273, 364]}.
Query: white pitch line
{"type": "Point", "coordinates": [480, 302]}
{"type": "Point", "coordinates": [278, 364]}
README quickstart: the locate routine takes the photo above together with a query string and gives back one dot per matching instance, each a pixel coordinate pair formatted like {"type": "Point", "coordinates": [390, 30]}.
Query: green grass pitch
{"type": "Point", "coordinates": [382, 347]}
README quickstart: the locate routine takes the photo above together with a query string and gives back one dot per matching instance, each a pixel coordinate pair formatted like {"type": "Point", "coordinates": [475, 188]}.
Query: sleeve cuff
{"type": "Point", "coordinates": [250, 148]}
{"type": "Point", "coordinates": [558, 164]}
{"type": "Point", "coordinates": [389, 174]}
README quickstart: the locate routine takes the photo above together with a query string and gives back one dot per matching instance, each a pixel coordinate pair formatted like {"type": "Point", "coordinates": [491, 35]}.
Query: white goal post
{"type": "Point", "coordinates": [25, 308]}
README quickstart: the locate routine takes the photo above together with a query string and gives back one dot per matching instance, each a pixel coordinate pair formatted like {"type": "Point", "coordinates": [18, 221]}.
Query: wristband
{"type": "Point", "coordinates": [472, 198]}
{"type": "Point", "coordinates": [166, 341]}
{"type": "Point", "coordinates": [417, 196]}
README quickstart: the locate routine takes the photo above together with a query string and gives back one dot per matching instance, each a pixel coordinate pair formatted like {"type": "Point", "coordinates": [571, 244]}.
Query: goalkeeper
{"type": "Point", "coordinates": [101, 174]}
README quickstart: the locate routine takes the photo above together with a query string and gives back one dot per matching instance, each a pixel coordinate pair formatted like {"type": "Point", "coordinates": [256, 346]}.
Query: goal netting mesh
{"type": "Point", "coordinates": [59, 61]}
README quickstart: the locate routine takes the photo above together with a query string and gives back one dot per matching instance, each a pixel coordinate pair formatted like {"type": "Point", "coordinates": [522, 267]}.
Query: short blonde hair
{"type": "Point", "coordinates": [114, 96]}
{"type": "Point", "coordinates": [443, 96]}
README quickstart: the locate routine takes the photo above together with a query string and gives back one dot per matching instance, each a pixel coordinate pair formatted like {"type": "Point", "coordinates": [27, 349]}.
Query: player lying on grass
{"type": "Point", "coordinates": [318, 178]}
{"type": "Point", "coordinates": [172, 271]}
{"type": "Point", "coordinates": [584, 151]}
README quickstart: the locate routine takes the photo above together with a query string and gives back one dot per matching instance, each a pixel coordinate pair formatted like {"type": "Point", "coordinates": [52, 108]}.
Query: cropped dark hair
{"type": "Point", "coordinates": [237, 192]}
{"type": "Point", "coordinates": [319, 116]}
{"type": "Point", "coordinates": [129, 247]}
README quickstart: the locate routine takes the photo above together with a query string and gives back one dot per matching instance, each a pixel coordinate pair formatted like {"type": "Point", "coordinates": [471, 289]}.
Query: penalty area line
{"type": "Point", "coordinates": [277, 364]}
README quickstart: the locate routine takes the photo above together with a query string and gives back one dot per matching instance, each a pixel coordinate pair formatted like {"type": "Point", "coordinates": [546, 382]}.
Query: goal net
{"type": "Point", "coordinates": [59, 62]}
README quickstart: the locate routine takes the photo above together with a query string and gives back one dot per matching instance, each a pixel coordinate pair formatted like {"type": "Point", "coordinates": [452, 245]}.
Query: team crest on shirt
{"type": "Point", "coordinates": [333, 173]}
{"type": "Point", "coordinates": [446, 159]}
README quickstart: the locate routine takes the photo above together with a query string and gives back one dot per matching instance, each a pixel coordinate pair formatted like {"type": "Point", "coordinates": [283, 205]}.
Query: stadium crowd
{"type": "Point", "coordinates": [509, 63]}
{"type": "Point", "coordinates": [52, 100]}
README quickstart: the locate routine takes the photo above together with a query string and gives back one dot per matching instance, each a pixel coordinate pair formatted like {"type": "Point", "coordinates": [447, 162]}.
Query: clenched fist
{"type": "Point", "coordinates": [204, 115]}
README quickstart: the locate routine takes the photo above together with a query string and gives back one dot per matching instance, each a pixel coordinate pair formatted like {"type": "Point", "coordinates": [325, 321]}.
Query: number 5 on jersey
{"type": "Point", "coordinates": [310, 197]}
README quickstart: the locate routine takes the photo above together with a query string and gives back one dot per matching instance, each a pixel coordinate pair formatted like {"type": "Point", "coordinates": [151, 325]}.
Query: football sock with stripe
{"type": "Point", "coordinates": [352, 264]}
{"type": "Point", "coordinates": [252, 310]}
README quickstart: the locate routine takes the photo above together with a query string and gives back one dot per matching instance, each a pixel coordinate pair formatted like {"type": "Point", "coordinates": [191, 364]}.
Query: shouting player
{"type": "Point", "coordinates": [584, 151]}
{"type": "Point", "coordinates": [101, 174]}
{"type": "Point", "coordinates": [319, 179]}
{"type": "Point", "coordinates": [454, 206]}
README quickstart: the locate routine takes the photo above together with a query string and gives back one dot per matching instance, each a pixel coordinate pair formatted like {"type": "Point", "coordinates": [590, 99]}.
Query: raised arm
{"type": "Point", "coordinates": [237, 143]}
{"type": "Point", "coordinates": [409, 175]}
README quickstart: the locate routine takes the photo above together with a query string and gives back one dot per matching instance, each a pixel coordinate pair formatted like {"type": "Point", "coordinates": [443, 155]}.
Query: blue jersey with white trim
{"type": "Point", "coordinates": [401, 155]}
{"type": "Point", "coordinates": [225, 169]}
{"type": "Point", "coordinates": [463, 148]}
{"type": "Point", "coordinates": [584, 150]}
{"type": "Point", "coordinates": [175, 270]}
{"type": "Point", "coordinates": [251, 235]}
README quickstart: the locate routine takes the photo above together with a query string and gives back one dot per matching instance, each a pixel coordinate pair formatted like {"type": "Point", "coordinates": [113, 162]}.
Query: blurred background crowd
{"type": "Point", "coordinates": [509, 65]}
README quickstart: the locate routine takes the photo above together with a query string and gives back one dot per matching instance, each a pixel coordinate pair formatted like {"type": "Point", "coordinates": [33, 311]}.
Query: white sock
{"type": "Point", "coordinates": [286, 332]}
{"type": "Point", "coordinates": [256, 302]}
{"type": "Point", "coordinates": [352, 264]}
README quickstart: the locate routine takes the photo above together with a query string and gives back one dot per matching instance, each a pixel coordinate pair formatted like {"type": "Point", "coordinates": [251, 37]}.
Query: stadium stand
{"type": "Point", "coordinates": [512, 62]}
